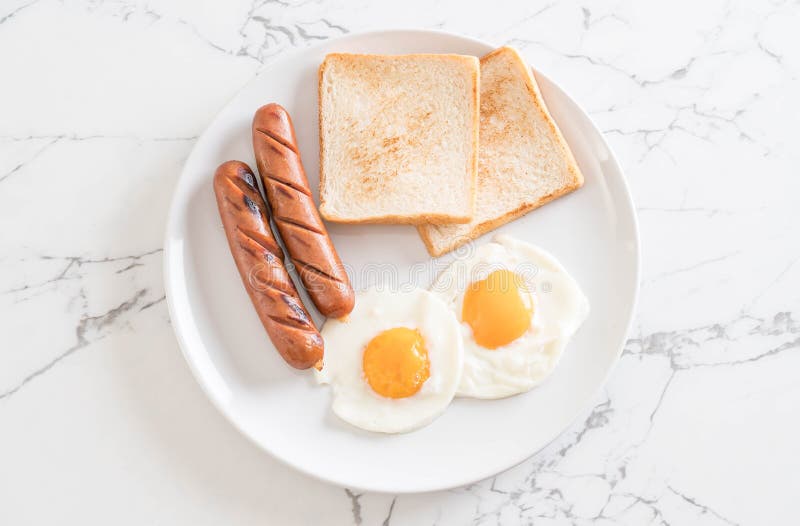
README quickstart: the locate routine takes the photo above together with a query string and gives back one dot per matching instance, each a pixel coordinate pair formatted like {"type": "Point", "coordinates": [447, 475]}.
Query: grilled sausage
{"type": "Point", "coordinates": [260, 262]}
{"type": "Point", "coordinates": [295, 214]}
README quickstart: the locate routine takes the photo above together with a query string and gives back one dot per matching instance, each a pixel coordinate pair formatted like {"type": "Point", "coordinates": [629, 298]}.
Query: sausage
{"type": "Point", "coordinates": [295, 214]}
{"type": "Point", "coordinates": [259, 259]}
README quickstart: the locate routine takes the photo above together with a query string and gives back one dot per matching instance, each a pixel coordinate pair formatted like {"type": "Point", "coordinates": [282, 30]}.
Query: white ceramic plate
{"type": "Point", "coordinates": [593, 232]}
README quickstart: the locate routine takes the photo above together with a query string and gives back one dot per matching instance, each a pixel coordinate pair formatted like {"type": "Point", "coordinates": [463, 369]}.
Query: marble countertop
{"type": "Point", "coordinates": [101, 421]}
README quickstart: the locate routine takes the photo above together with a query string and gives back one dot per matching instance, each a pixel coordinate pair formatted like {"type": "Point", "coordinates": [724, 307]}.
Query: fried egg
{"type": "Point", "coordinates": [395, 364]}
{"type": "Point", "coordinates": [518, 308]}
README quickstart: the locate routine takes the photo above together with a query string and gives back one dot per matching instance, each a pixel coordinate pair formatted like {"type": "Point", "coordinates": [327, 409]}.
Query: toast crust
{"type": "Point", "coordinates": [472, 162]}
{"type": "Point", "coordinates": [487, 226]}
{"type": "Point", "coordinates": [575, 182]}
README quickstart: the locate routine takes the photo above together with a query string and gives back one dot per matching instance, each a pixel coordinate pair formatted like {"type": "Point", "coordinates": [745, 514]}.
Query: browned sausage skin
{"type": "Point", "coordinates": [296, 216]}
{"type": "Point", "coordinates": [260, 262]}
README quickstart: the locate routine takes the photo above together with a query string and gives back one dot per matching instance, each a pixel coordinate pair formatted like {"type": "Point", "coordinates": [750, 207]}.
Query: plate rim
{"type": "Point", "coordinates": [169, 283]}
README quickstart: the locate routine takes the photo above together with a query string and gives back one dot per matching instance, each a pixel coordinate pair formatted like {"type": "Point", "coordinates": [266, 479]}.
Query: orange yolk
{"type": "Point", "coordinates": [498, 309]}
{"type": "Point", "coordinates": [396, 362]}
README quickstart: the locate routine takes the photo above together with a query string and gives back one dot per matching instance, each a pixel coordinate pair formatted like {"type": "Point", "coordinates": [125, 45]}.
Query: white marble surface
{"type": "Point", "coordinates": [100, 419]}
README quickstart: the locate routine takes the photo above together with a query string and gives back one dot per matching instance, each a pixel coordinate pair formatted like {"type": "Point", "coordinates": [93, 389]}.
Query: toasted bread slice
{"type": "Point", "coordinates": [523, 160]}
{"type": "Point", "coordinates": [398, 138]}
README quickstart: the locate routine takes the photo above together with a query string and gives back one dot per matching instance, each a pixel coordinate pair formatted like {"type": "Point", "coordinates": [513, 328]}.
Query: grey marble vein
{"type": "Point", "coordinates": [76, 137]}
{"type": "Point", "coordinates": [589, 21]}
{"type": "Point", "coordinates": [681, 347]}
{"type": "Point", "coordinates": [535, 14]}
{"type": "Point", "coordinates": [675, 75]}
{"type": "Point", "coordinates": [355, 505]}
{"type": "Point", "coordinates": [694, 266]}
{"type": "Point", "coordinates": [153, 303]}
{"type": "Point", "coordinates": [703, 509]}
{"type": "Point", "coordinates": [62, 275]}
{"type": "Point", "coordinates": [274, 36]}
{"type": "Point", "coordinates": [16, 11]}
{"type": "Point", "coordinates": [595, 61]}
{"type": "Point", "coordinates": [709, 212]}
{"type": "Point", "coordinates": [598, 418]}
{"type": "Point", "coordinates": [777, 279]}
{"type": "Point", "coordinates": [76, 262]}
{"type": "Point", "coordinates": [778, 58]}
{"type": "Point", "coordinates": [21, 165]}
{"type": "Point", "coordinates": [331, 25]}
{"type": "Point", "coordinates": [388, 518]}
{"type": "Point", "coordinates": [88, 330]}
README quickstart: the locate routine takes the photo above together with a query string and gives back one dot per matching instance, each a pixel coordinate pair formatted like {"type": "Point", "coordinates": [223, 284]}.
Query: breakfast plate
{"type": "Point", "coordinates": [593, 232]}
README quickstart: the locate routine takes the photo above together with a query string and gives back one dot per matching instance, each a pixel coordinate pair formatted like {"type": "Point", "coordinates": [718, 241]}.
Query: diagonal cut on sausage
{"type": "Point", "coordinates": [259, 259]}
{"type": "Point", "coordinates": [295, 214]}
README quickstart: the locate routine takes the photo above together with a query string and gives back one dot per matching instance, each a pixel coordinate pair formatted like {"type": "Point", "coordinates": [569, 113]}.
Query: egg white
{"type": "Point", "coordinates": [375, 311]}
{"type": "Point", "coordinates": [559, 307]}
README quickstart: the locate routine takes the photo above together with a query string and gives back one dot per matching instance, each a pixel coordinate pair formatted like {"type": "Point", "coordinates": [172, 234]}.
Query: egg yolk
{"type": "Point", "coordinates": [498, 309]}
{"type": "Point", "coordinates": [396, 362]}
